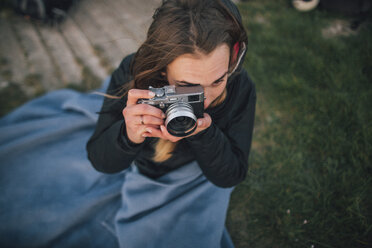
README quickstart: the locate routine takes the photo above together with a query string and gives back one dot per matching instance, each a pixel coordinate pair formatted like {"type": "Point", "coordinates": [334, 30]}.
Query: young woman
{"type": "Point", "coordinates": [164, 191]}
{"type": "Point", "coordinates": [189, 43]}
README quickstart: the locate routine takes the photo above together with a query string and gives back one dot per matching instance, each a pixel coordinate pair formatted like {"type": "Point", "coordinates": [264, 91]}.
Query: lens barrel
{"type": "Point", "coordinates": [180, 120]}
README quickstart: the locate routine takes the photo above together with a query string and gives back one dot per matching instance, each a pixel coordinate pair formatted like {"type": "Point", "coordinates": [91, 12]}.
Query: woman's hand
{"type": "Point", "coordinates": [141, 119]}
{"type": "Point", "coordinates": [203, 123]}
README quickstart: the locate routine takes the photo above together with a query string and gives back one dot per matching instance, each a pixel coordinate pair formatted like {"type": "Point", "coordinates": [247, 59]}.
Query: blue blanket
{"type": "Point", "coordinates": [52, 197]}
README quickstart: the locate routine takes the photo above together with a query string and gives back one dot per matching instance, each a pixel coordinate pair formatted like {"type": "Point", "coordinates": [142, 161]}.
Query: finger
{"type": "Point", "coordinates": [135, 94]}
{"type": "Point", "coordinates": [145, 109]}
{"type": "Point", "coordinates": [154, 132]}
{"type": "Point", "coordinates": [154, 126]}
{"type": "Point", "coordinates": [141, 121]}
{"type": "Point", "coordinates": [204, 122]}
{"type": "Point", "coordinates": [136, 134]}
{"type": "Point", "coordinates": [151, 120]}
{"type": "Point", "coordinates": [168, 136]}
{"type": "Point", "coordinates": [134, 111]}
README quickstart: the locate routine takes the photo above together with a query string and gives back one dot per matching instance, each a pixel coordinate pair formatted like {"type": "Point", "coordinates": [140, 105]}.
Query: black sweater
{"type": "Point", "coordinates": [221, 150]}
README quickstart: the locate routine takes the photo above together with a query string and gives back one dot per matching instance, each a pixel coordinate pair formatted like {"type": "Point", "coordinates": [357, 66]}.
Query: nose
{"type": "Point", "coordinates": [207, 100]}
{"type": "Point", "coordinates": [206, 104]}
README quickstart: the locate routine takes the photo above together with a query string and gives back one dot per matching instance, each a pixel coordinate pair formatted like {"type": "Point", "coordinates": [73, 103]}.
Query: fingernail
{"type": "Point", "coordinates": [163, 115]}
{"type": "Point", "coordinates": [200, 122]}
{"type": "Point", "coordinates": [144, 135]}
{"type": "Point", "coordinates": [148, 130]}
{"type": "Point", "coordinates": [151, 94]}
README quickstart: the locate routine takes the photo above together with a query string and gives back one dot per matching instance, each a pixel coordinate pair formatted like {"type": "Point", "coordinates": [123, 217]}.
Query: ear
{"type": "Point", "coordinates": [238, 53]}
{"type": "Point", "coordinates": [235, 52]}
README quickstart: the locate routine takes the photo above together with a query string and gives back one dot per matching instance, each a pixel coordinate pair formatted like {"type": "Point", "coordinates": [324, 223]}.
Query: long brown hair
{"type": "Point", "coordinates": [183, 27]}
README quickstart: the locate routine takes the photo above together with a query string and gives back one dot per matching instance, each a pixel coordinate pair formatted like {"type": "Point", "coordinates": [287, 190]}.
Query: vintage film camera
{"type": "Point", "coordinates": [181, 105]}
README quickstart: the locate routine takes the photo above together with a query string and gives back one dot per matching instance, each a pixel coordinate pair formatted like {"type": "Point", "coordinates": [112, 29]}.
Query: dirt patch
{"type": "Point", "coordinates": [338, 28]}
{"type": "Point", "coordinates": [260, 19]}
{"type": "Point", "coordinates": [11, 96]}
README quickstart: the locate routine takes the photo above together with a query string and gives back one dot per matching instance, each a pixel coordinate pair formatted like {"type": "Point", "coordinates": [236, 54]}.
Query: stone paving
{"type": "Point", "coordinates": [80, 52]}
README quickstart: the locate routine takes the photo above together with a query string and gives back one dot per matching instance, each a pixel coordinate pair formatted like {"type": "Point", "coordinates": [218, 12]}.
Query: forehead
{"type": "Point", "coordinates": [200, 68]}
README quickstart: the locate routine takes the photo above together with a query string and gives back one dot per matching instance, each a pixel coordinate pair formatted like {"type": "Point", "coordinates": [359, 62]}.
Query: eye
{"type": "Point", "coordinates": [182, 85]}
{"type": "Point", "coordinates": [218, 82]}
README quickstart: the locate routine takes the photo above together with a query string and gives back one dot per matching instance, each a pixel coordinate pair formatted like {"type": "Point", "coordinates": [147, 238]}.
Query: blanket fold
{"type": "Point", "coordinates": [52, 197]}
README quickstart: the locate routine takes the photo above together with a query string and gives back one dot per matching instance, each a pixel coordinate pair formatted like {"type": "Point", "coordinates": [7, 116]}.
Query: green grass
{"type": "Point", "coordinates": [310, 180]}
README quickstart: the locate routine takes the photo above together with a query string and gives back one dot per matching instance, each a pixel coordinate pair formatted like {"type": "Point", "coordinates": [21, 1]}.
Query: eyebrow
{"type": "Point", "coordinates": [191, 84]}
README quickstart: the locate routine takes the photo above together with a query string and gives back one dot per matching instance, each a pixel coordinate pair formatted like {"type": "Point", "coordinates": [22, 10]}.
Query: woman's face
{"type": "Point", "coordinates": [208, 70]}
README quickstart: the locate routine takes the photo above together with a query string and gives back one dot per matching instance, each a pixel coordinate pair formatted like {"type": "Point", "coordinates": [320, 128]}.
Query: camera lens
{"type": "Point", "coordinates": [180, 120]}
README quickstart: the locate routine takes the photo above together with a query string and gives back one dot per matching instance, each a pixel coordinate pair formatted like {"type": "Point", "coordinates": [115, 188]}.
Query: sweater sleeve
{"type": "Point", "coordinates": [223, 154]}
{"type": "Point", "coordinates": [109, 149]}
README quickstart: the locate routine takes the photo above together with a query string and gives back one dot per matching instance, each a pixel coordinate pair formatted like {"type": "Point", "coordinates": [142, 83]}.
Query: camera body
{"type": "Point", "coordinates": [182, 106]}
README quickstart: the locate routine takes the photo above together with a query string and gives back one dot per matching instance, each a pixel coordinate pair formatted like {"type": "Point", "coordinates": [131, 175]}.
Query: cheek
{"type": "Point", "coordinates": [217, 91]}
{"type": "Point", "coordinates": [212, 94]}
